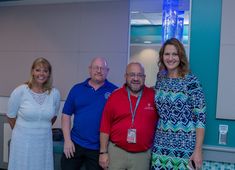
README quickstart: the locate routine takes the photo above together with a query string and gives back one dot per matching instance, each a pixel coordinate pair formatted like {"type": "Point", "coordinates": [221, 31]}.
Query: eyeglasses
{"type": "Point", "coordinates": [102, 69]}
{"type": "Point", "coordinates": [133, 75]}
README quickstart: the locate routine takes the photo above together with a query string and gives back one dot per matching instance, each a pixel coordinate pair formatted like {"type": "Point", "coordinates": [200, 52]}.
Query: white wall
{"type": "Point", "coordinates": [68, 35]}
{"type": "Point", "coordinates": [226, 82]}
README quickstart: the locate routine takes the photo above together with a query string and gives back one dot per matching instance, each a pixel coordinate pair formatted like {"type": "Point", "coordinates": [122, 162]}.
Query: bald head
{"type": "Point", "coordinates": [98, 70]}
{"type": "Point", "coordinates": [135, 64]}
{"type": "Point", "coordinates": [99, 60]}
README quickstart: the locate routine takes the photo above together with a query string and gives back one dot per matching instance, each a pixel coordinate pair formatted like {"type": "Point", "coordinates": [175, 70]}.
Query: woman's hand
{"type": "Point", "coordinates": [197, 158]}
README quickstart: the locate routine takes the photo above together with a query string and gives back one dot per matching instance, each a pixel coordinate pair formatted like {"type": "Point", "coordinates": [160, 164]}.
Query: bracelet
{"type": "Point", "coordinates": [103, 152]}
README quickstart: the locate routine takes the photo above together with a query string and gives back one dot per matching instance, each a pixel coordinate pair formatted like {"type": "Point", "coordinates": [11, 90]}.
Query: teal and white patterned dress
{"type": "Point", "coordinates": [181, 107]}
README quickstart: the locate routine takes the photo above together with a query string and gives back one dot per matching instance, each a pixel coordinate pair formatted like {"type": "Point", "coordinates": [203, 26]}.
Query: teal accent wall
{"type": "Point", "coordinates": [204, 62]}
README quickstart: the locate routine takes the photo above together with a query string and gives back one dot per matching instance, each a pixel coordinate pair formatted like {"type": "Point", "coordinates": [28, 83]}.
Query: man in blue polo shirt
{"type": "Point", "coordinates": [85, 101]}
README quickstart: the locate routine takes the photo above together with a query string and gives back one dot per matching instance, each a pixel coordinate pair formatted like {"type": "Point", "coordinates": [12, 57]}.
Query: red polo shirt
{"type": "Point", "coordinates": [116, 119]}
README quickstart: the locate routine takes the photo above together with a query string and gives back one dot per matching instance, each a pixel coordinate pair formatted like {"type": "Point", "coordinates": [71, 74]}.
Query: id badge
{"type": "Point", "coordinates": [131, 136]}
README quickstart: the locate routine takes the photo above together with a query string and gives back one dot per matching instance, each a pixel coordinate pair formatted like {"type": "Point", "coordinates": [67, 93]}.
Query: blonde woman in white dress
{"type": "Point", "coordinates": [32, 109]}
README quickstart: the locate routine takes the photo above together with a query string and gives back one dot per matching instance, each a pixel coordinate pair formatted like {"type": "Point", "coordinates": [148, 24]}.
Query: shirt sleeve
{"type": "Point", "coordinates": [14, 101]}
{"type": "Point", "coordinates": [69, 107]}
{"type": "Point", "coordinates": [106, 119]}
{"type": "Point", "coordinates": [198, 102]}
{"type": "Point", "coordinates": [57, 101]}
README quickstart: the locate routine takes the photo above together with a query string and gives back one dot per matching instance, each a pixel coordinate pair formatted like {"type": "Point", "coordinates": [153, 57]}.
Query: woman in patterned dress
{"type": "Point", "coordinates": [32, 109]}
{"type": "Point", "coordinates": [181, 106]}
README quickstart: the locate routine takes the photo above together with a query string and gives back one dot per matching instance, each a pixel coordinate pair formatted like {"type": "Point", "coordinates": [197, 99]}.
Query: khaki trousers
{"type": "Point", "coordinates": [120, 159]}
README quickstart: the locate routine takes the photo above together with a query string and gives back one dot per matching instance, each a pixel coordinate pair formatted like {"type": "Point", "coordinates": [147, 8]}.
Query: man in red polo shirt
{"type": "Point", "coordinates": [128, 123]}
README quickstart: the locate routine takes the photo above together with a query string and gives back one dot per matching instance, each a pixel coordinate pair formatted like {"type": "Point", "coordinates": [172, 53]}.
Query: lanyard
{"type": "Point", "coordinates": [137, 103]}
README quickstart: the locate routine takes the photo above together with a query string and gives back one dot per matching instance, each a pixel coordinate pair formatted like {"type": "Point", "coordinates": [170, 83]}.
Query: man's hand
{"type": "Point", "coordinates": [69, 149]}
{"type": "Point", "coordinates": [104, 160]}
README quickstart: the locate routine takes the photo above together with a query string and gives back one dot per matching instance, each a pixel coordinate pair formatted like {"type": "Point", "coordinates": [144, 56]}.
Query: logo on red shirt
{"type": "Point", "coordinates": [149, 107]}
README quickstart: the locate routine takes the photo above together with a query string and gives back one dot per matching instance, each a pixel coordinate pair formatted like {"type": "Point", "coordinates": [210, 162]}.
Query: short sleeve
{"type": "Point", "coordinates": [106, 119]}
{"type": "Point", "coordinates": [56, 96]}
{"type": "Point", "coordinates": [14, 101]}
{"type": "Point", "coordinates": [198, 102]}
{"type": "Point", "coordinates": [69, 108]}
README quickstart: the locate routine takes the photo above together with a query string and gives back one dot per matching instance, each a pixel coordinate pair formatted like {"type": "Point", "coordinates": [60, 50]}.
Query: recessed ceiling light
{"type": "Point", "coordinates": [140, 22]}
{"type": "Point", "coordinates": [135, 12]}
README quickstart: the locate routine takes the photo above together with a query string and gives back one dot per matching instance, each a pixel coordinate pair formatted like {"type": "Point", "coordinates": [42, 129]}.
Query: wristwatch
{"type": "Point", "coordinates": [103, 152]}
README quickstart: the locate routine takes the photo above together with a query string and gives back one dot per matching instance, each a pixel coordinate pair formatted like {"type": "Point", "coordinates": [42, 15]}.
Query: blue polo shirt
{"type": "Point", "coordinates": [87, 105]}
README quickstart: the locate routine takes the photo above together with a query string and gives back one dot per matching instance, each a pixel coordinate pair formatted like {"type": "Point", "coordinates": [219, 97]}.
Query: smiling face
{"type": "Point", "coordinates": [98, 70]}
{"type": "Point", "coordinates": [135, 78]}
{"type": "Point", "coordinates": [40, 74]}
{"type": "Point", "coordinates": [171, 59]}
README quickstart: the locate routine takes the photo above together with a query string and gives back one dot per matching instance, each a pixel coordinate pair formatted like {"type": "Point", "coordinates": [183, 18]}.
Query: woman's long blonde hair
{"type": "Point", "coordinates": [45, 63]}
